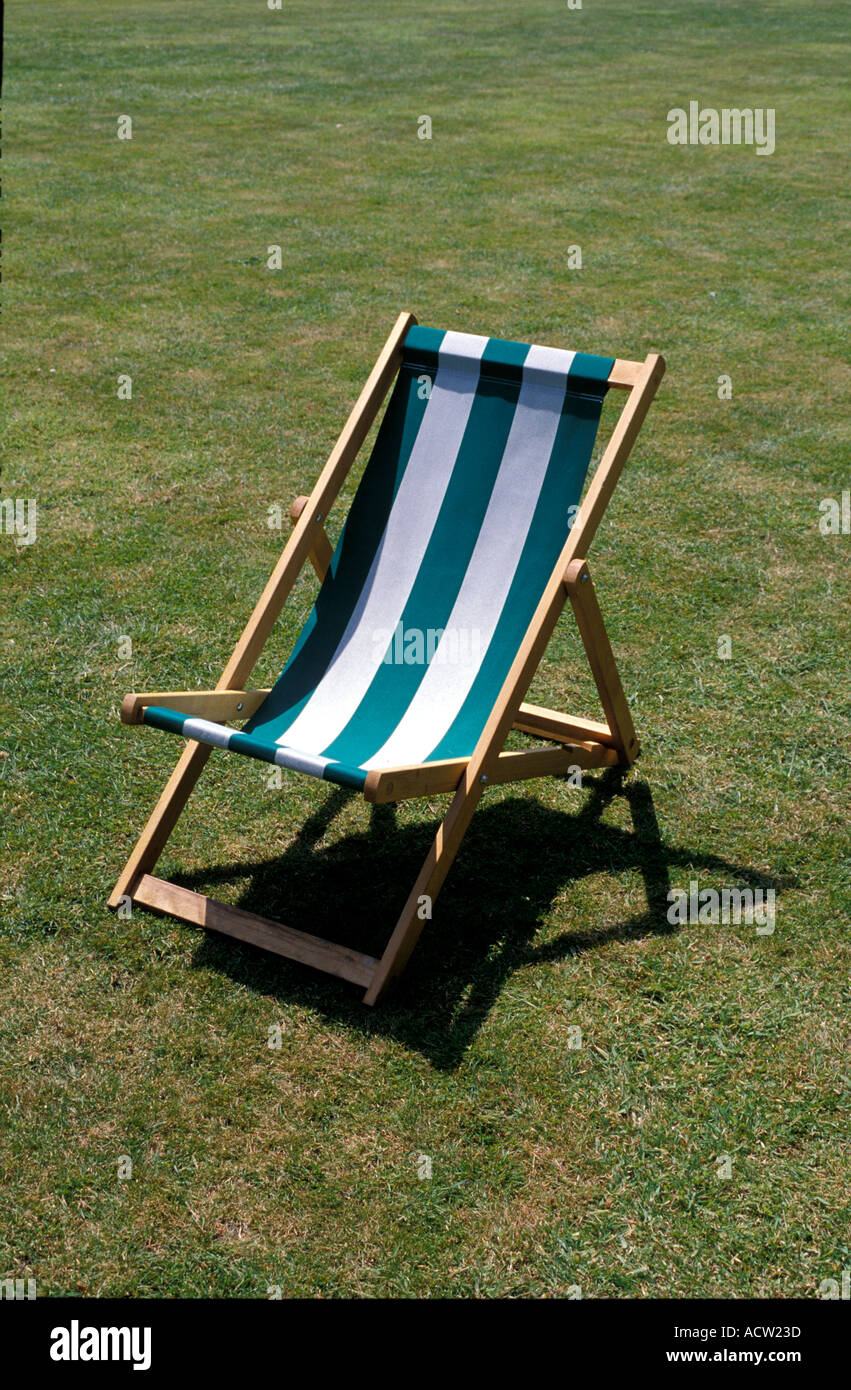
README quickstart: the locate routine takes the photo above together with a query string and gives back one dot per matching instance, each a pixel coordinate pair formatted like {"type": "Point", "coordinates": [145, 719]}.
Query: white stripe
{"type": "Point", "coordinates": [400, 552]}
{"type": "Point", "coordinates": [207, 732]}
{"type": "Point", "coordinates": [301, 762]}
{"type": "Point", "coordinates": [460, 347]}
{"type": "Point", "coordinates": [490, 572]}
{"type": "Point", "coordinates": [547, 366]}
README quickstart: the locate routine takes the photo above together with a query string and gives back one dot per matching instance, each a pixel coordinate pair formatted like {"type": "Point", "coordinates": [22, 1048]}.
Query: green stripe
{"type": "Point", "coordinates": [345, 776]}
{"type": "Point", "coordinates": [421, 347]}
{"type": "Point", "coordinates": [589, 375]}
{"type": "Point", "coordinates": [504, 360]}
{"type": "Point", "coordinates": [161, 718]}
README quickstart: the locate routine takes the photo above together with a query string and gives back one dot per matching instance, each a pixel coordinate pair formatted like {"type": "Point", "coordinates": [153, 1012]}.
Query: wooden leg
{"type": "Point", "coordinates": [165, 816]}
{"type": "Point", "coordinates": [447, 842]}
{"type": "Point", "coordinates": [592, 629]}
{"type": "Point", "coordinates": [438, 862]}
{"type": "Point", "coordinates": [507, 709]}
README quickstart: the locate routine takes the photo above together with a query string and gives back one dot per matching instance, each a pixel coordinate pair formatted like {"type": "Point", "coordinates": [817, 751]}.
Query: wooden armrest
{"type": "Point", "coordinates": [218, 705]}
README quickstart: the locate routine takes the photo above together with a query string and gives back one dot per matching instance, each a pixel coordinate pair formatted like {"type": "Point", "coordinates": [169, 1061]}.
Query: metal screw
{"type": "Point", "coordinates": [239, 706]}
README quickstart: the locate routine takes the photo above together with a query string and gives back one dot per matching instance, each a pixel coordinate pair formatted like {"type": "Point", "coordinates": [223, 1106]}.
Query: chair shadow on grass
{"type": "Point", "coordinates": [517, 857]}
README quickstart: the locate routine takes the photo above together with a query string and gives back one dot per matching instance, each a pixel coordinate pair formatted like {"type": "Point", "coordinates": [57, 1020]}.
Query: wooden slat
{"type": "Point", "coordinates": [549, 723]}
{"type": "Point", "coordinates": [200, 911]}
{"type": "Point", "coordinates": [193, 758]}
{"type": "Point", "coordinates": [218, 705]}
{"type": "Point", "coordinates": [322, 551]}
{"type": "Point", "coordinates": [430, 779]}
{"type": "Point", "coordinates": [601, 658]}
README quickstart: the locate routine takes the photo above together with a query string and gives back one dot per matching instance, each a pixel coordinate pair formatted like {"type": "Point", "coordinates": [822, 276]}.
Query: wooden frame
{"type": "Point", "coordinates": [580, 743]}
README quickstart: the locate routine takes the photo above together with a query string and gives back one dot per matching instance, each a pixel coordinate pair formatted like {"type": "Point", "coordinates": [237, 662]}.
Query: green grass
{"type": "Point", "coordinates": [552, 1166]}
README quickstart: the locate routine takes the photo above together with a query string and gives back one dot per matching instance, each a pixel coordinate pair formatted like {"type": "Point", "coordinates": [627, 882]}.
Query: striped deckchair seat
{"type": "Point", "coordinates": [460, 516]}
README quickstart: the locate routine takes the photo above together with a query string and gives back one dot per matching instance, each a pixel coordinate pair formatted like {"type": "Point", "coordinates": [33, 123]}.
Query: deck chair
{"type": "Point", "coordinates": [464, 540]}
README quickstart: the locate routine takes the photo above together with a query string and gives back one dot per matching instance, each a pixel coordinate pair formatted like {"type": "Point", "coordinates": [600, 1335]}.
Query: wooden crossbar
{"type": "Point", "coordinates": [443, 775]}
{"type": "Point", "coordinates": [548, 723]}
{"type": "Point", "coordinates": [201, 911]}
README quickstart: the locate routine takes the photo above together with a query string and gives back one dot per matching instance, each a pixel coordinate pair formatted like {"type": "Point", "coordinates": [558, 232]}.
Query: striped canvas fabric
{"type": "Point", "coordinates": [460, 516]}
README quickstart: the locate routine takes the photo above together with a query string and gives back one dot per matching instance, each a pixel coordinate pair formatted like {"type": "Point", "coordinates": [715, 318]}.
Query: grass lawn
{"type": "Point", "coordinates": [301, 1166]}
